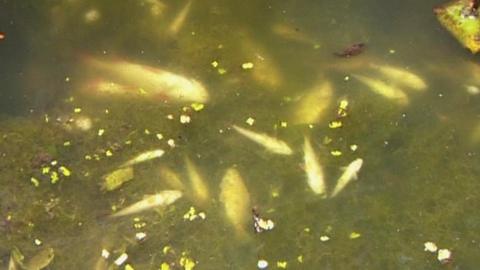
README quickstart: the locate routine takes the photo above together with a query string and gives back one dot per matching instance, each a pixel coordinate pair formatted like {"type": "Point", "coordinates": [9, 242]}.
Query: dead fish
{"type": "Point", "coordinates": [160, 199]}
{"type": "Point", "coordinates": [383, 89]}
{"type": "Point", "coordinates": [179, 20]}
{"type": "Point", "coordinates": [154, 83]}
{"type": "Point", "coordinates": [401, 76]}
{"type": "Point", "coordinates": [145, 156]}
{"type": "Point", "coordinates": [352, 50]}
{"type": "Point", "coordinates": [236, 200]}
{"type": "Point", "coordinates": [315, 176]}
{"type": "Point", "coordinates": [349, 174]}
{"type": "Point", "coordinates": [289, 32]}
{"type": "Point", "coordinates": [199, 187]}
{"type": "Point", "coordinates": [171, 178]}
{"type": "Point", "coordinates": [312, 106]}
{"type": "Point", "coordinates": [274, 145]}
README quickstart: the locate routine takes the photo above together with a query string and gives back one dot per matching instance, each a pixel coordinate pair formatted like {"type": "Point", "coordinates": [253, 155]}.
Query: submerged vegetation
{"type": "Point", "coordinates": [209, 135]}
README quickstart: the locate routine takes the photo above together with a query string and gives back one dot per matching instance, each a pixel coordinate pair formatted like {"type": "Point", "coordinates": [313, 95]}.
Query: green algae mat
{"type": "Point", "coordinates": [463, 22]}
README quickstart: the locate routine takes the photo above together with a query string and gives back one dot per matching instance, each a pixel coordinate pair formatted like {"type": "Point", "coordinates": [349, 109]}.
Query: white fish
{"type": "Point", "coordinates": [179, 20]}
{"type": "Point", "coordinates": [348, 175]}
{"type": "Point", "coordinates": [199, 187]}
{"type": "Point", "coordinates": [384, 89]}
{"type": "Point", "coordinates": [272, 144]}
{"type": "Point", "coordinates": [152, 82]}
{"type": "Point", "coordinates": [401, 76]}
{"type": "Point", "coordinates": [236, 200]}
{"type": "Point", "coordinates": [145, 156]}
{"type": "Point", "coordinates": [315, 177]}
{"type": "Point", "coordinates": [163, 198]}
{"type": "Point", "coordinates": [312, 106]}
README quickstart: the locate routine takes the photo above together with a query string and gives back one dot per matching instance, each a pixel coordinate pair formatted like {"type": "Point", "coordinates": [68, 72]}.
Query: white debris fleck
{"type": "Point", "coordinates": [159, 136]}
{"type": "Point", "coordinates": [101, 132]}
{"type": "Point", "coordinates": [170, 116]}
{"type": "Point", "coordinates": [250, 121]}
{"type": "Point", "coordinates": [444, 255]}
{"type": "Point", "coordinates": [121, 259]}
{"type": "Point", "coordinates": [472, 89]}
{"type": "Point", "coordinates": [353, 147]}
{"type": "Point", "coordinates": [324, 238]}
{"type": "Point", "coordinates": [92, 15]}
{"type": "Point", "coordinates": [262, 264]}
{"type": "Point", "coordinates": [430, 247]}
{"type": "Point", "coordinates": [37, 242]}
{"type": "Point", "coordinates": [171, 143]}
{"type": "Point", "coordinates": [140, 236]}
{"type": "Point", "coordinates": [248, 65]}
{"type": "Point", "coordinates": [105, 253]}
{"type": "Point", "coordinates": [184, 119]}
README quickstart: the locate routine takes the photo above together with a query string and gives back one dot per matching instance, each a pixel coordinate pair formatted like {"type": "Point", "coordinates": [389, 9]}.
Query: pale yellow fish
{"type": "Point", "coordinates": [198, 185]}
{"type": "Point", "coordinates": [236, 200]}
{"type": "Point", "coordinates": [289, 32]}
{"type": "Point", "coordinates": [179, 20]}
{"type": "Point", "coordinates": [315, 176]}
{"type": "Point", "coordinates": [265, 71]}
{"type": "Point", "coordinates": [160, 199]}
{"type": "Point", "coordinates": [145, 156]}
{"type": "Point", "coordinates": [401, 76]}
{"type": "Point", "coordinates": [153, 83]}
{"type": "Point", "coordinates": [40, 260]}
{"type": "Point", "coordinates": [12, 265]}
{"type": "Point", "coordinates": [348, 175]}
{"type": "Point", "coordinates": [381, 88]}
{"type": "Point", "coordinates": [171, 178]}
{"type": "Point", "coordinates": [313, 104]}
{"type": "Point", "coordinates": [272, 144]}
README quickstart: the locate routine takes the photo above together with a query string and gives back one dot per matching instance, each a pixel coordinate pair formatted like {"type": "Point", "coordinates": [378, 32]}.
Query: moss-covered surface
{"type": "Point", "coordinates": [466, 29]}
{"type": "Point", "coordinates": [419, 180]}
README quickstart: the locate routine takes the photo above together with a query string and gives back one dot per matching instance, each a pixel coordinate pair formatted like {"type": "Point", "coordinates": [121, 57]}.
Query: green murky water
{"type": "Point", "coordinates": [419, 181]}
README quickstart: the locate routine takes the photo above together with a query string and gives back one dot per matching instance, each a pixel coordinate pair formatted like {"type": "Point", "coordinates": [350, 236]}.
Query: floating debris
{"type": "Point", "coordinates": [145, 156]}
{"type": "Point", "coordinates": [444, 256]}
{"type": "Point", "coordinates": [260, 224]}
{"type": "Point", "coordinates": [262, 264]}
{"type": "Point", "coordinates": [430, 247]}
{"type": "Point", "coordinates": [250, 121]}
{"type": "Point", "coordinates": [140, 236]}
{"type": "Point", "coordinates": [354, 235]}
{"type": "Point", "coordinates": [282, 264]}
{"type": "Point", "coordinates": [191, 215]}
{"type": "Point", "coordinates": [101, 132]}
{"type": "Point", "coordinates": [117, 178]}
{"type": "Point", "coordinates": [197, 106]}
{"type": "Point", "coordinates": [185, 119]}
{"type": "Point", "coordinates": [335, 124]}
{"type": "Point", "coordinates": [324, 238]}
{"type": "Point", "coordinates": [160, 199]}
{"type": "Point", "coordinates": [186, 262]}
{"type": "Point", "coordinates": [248, 65]}
{"type": "Point", "coordinates": [121, 259]}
